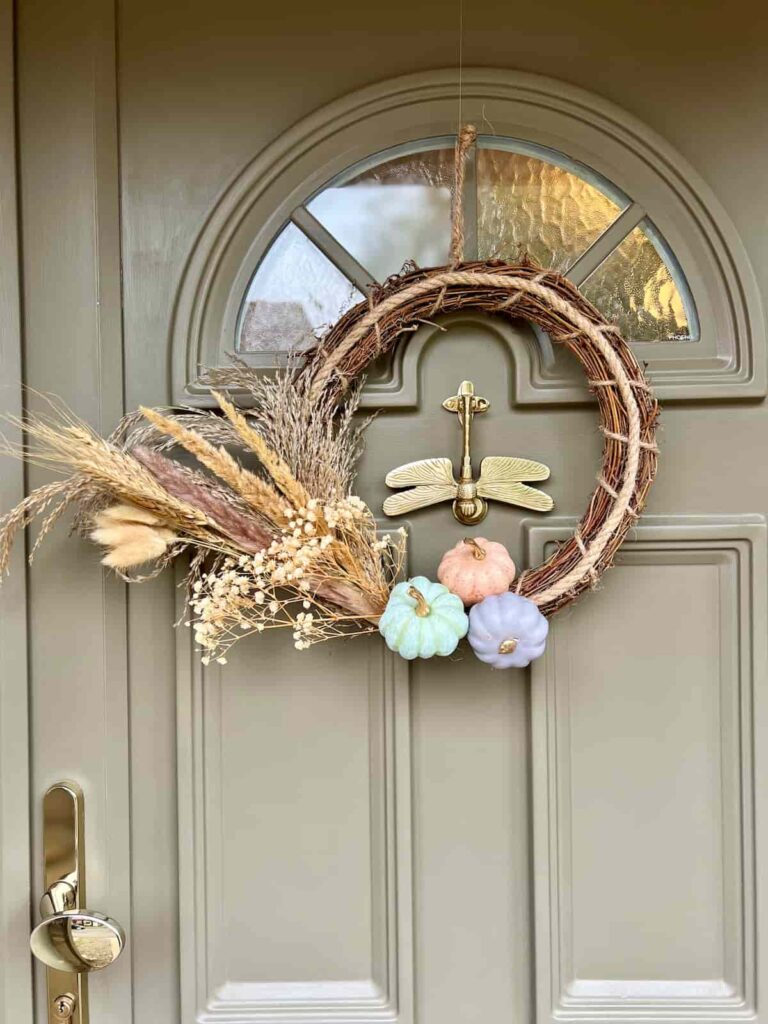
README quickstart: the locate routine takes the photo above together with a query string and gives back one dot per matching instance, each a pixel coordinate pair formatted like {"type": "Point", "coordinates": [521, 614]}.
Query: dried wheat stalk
{"type": "Point", "coordinates": [294, 491]}
{"type": "Point", "coordinates": [135, 430]}
{"type": "Point", "coordinates": [250, 487]}
{"type": "Point", "coordinates": [221, 506]}
{"type": "Point", "coordinates": [76, 447]}
{"type": "Point", "coordinates": [63, 492]}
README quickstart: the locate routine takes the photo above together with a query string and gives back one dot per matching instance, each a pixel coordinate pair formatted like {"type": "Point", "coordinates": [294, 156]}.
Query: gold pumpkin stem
{"type": "Point", "coordinates": [422, 608]}
{"type": "Point", "coordinates": [478, 552]}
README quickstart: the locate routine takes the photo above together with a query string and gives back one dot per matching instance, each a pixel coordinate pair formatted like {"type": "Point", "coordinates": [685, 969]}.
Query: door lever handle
{"type": "Point", "coordinates": [69, 940]}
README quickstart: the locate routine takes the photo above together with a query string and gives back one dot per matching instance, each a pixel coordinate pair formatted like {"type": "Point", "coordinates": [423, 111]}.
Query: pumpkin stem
{"type": "Point", "coordinates": [478, 552]}
{"type": "Point", "coordinates": [508, 646]}
{"type": "Point", "coordinates": [422, 608]}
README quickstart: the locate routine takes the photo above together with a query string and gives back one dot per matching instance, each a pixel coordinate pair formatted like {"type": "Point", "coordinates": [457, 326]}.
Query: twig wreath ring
{"type": "Point", "coordinates": [627, 406]}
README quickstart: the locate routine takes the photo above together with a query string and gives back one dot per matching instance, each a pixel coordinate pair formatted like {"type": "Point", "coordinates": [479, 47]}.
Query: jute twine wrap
{"type": "Point", "coordinates": [464, 143]}
{"type": "Point", "coordinates": [628, 409]}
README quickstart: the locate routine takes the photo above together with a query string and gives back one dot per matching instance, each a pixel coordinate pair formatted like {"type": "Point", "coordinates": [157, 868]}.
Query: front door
{"type": "Point", "coordinates": [334, 835]}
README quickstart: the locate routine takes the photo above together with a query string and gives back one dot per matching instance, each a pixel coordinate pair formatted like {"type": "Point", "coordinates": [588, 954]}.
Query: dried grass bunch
{"type": "Point", "coordinates": [279, 543]}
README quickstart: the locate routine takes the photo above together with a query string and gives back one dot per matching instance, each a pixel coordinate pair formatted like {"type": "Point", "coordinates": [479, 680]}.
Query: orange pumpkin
{"type": "Point", "coordinates": [476, 568]}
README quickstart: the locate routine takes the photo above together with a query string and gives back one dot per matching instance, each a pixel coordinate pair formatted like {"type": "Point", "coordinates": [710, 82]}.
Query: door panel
{"type": "Point", "coordinates": [294, 835]}
{"type": "Point", "coordinates": [644, 709]}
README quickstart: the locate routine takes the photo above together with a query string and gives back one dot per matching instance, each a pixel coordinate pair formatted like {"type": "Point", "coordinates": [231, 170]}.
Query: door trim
{"type": "Point", "coordinates": [15, 882]}
{"type": "Point", "coordinates": [69, 215]}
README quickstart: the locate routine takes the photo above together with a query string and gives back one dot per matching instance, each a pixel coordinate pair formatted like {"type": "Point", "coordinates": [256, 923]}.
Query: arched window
{"type": "Point", "coordinates": [351, 192]}
{"type": "Point", "coordinates": [395, 206]}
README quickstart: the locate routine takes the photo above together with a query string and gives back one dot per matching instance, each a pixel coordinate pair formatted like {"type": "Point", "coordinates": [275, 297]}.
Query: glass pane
{"type": "Point", "coordinates": [526, 204]}
{"type": "Point", "coordinates": [393, 211]}
{"type": "Point", "coordinates": [294, 296]}
{"type": "Point", "coordinates": [640, 288]}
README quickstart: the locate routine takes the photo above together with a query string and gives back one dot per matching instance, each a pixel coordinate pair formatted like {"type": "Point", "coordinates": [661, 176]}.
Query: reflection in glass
{"type": "Point", "coordinates": [526, 204]}
{"type": "Point", "coordinates": [640, 289]}
{"type": "Point", "coordinates": [392, 212]}
{"type": "Point", "coordinates": [295, 294]}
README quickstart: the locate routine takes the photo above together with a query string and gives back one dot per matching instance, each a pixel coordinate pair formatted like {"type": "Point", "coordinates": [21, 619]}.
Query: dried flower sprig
{"type": "Point", "coordinates": [289, 584]}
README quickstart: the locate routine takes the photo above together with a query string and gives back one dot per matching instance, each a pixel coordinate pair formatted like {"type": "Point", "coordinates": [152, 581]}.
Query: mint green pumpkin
{"type": "Point", "coordinates": [422, 619]}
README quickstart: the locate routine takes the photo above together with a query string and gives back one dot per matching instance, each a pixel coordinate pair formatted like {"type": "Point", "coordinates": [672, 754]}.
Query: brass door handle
{"type": "Point", "coordinates": [69, 940]}
{"type": "Point", "coordinates": [77, 941]}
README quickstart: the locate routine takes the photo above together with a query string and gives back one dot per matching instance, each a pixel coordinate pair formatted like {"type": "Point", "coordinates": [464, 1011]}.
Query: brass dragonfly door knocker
{"type": "Point", "coordinates": [431, 480]}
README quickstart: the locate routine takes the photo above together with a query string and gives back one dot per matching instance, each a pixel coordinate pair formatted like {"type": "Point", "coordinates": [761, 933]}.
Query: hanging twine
{"type": "Point", "coordinates": [464, 142]}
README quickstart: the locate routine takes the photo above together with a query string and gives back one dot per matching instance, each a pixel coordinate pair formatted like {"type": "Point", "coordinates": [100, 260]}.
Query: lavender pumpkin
{"type": "Point", "coordinates": [507, 631]}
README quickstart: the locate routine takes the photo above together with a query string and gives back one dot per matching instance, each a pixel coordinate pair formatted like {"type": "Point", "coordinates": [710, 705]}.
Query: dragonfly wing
{"type": "Point", "coordinates": [425, 471]}
{"type": "Point", "coordinates": [515, 494]}
{"type": "Point", "coordinates": [505, 467]}
{"type": "Point", "coordinates": [418, 497]}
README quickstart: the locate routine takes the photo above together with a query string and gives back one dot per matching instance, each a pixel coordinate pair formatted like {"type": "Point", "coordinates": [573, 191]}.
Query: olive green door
{"type": "Point", "coordinates": [334, 835]}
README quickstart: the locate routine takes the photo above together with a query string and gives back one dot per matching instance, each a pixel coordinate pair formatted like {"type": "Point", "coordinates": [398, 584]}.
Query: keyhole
{"type": "Point", "coordinates": [64, 1007]}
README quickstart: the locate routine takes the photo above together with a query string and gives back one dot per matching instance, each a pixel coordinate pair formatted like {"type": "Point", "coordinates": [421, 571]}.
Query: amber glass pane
{"type": "Point", "coordinates": [530, 205]}
{"type": "Point", "coordinates": [295, 294]}
{"type": "Point", "coordinates": [636, 290]}
{"type": "Point", "coordinates": [392, 212]}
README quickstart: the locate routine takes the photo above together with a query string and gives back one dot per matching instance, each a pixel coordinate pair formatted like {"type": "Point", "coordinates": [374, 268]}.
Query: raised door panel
{"type": "Point", "coordinates": [644, 709]}
{"type": "Point", "coordinates": [294, 834]}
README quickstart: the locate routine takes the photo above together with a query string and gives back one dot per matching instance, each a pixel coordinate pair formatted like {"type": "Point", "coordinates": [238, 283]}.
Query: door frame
{"type": "Point", "coordinates": [15, 893]}
{"type": "Point", "coordinates": [74, 692]}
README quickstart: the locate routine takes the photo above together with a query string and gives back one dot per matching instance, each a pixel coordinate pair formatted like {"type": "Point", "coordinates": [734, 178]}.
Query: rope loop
{"type": "Point", "coordinates": [464, 142]}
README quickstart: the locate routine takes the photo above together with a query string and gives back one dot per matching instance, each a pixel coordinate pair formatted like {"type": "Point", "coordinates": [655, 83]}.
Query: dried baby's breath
{"type": "Point", "coordinates": [300, 582]}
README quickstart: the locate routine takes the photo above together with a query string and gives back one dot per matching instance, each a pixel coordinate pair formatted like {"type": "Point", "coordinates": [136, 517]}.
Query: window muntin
{"type": "Point", "coordinates": [395, 206]}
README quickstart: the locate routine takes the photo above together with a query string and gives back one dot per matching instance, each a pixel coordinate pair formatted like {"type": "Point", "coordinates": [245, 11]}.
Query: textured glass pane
{"type": "Point", "coordinates": [392, 212]}
{"type": "Point", "coordinates": [646, 297]}
{"type": "Point", "coordinates": [295, 294]}
{"type": "Point", "coordinates": [530, 205]}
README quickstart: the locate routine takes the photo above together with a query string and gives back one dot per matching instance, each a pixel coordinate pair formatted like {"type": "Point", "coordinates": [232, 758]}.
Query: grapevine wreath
{"type": "Point", "coordinates": [284, 542]}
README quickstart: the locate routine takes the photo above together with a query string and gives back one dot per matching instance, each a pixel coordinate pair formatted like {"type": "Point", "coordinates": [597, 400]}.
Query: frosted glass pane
{"type": "Point", "coordinates": [295, 295]}
{"type": "Point", "coordinates": [392, 212]}
{"type": "Point", "coordinates": [645, 296]}
{"type": "Point", "coordinates": [530, 205]}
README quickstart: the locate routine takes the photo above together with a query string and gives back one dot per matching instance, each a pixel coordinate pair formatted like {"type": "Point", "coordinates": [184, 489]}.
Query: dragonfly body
{"type": "Point", "coordinates": [431, 481]}
{"type": "Point", "coordinates": [468, 507]}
